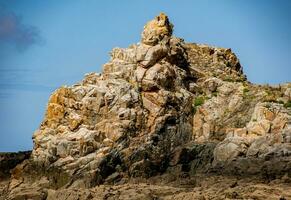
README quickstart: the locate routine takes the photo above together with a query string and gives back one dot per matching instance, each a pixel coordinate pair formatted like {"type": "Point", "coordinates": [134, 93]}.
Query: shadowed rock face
{"type": "Point", "coordinates": [159, 106]}
{"type": "Point", "coordinates": [9, 160]}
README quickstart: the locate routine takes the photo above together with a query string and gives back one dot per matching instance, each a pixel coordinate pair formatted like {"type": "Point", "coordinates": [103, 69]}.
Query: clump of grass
{"type": "Point", "coordinates": [246, 90]}
{"type": "Point", "coordinates": [198, 101]}
{"type": "Point", "coordinates": [228, 79]}
{"type": "Point", "coordinates": [280, 102]}
{"type": "Point", "coordinates": [287, 104]}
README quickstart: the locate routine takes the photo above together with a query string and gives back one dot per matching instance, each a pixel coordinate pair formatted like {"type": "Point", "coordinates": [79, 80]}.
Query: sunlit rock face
{"type": "Point", "coordinates": [135, 113]}
{"type": "Point", "coordinates": [156, 30]}
{"type": "Point", "coordinates": [157, 105]}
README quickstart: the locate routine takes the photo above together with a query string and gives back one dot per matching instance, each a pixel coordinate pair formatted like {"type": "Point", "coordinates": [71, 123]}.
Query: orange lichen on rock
{"type": "Point", "coordinates": [156, 29]}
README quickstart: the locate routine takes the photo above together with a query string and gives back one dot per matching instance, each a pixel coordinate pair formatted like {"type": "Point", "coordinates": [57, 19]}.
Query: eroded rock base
{"type": "Point", "coordinates": [168, 187]}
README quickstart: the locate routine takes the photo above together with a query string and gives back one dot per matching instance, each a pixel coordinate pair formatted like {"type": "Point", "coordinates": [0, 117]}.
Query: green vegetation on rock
{"type": "Point", "coordinates": [288, 104]}
{"type": "Point", "coordinates": [245, 90]}
{"type": "Point", "coordinates": [199, 101]}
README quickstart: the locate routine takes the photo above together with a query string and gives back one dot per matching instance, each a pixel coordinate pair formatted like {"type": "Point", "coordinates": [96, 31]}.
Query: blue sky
{"type": "Point", "coordinates": [46, 44]}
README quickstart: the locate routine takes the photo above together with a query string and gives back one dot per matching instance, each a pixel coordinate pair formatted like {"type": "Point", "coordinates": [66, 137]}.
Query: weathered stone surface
{"type": "Point", "coordinates": [156, 30]}
{"type": "Point", "coordinates": [230, 148]}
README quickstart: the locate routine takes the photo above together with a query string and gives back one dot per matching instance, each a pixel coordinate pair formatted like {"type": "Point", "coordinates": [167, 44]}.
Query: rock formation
{"type": "Point", "coordinates": [160, 108]}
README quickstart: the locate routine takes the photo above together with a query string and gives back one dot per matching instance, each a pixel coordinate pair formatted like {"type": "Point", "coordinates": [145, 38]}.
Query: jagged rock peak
{"type": "Point", "coordinates": [157, 29]}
